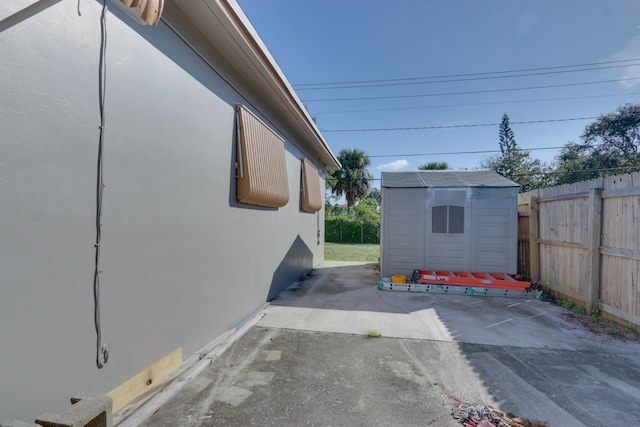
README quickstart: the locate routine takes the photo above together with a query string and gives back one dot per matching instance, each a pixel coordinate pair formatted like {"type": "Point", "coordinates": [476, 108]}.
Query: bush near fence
{"type": "Point", "coordinates": [347, 230]}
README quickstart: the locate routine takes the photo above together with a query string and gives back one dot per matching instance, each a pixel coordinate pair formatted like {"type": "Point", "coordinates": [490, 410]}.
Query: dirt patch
{"type": "Point", "coordinates": [602, 326]}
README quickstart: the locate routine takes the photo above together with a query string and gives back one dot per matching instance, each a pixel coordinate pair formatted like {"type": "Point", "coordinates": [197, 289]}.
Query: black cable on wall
{"type": "Point", "coordinates": [102, 350]}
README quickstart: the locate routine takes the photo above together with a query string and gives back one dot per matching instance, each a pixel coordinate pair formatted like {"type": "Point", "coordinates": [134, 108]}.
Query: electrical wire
{"type": "Point", "coordinates": [469, 74]}
{"type": "Point", "coordinates": [474, 104]}
{"type": "Point", "coordinates": [618, 169]}
{"type": "Point", "coordinates": [102, 351]}
{"type": "Point", "coordinates": [467, 79]}
{"type": "Point", "coordinates": [462, 152]}
{"type": "Point", "coordinates": [528, 122]}
{"type": "Point", "coordinates": [471, 92]}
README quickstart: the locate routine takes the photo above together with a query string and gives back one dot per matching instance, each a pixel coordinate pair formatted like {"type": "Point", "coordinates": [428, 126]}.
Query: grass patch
{"type": "Point", "coordinates": [580, 309]}
{"type": "Point", "coordinates": [566, 304]}
{"type": "Point", "coordinates": [596, 323]}
{"type": "Point", "coordinates": [373, 334]}
{"type": "Point", "coordinates": [613, 330]}
{"type": "Point", "coordinates": [349, 252]}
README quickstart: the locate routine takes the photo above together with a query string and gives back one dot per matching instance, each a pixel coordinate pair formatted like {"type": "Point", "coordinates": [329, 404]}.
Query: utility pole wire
{"type": "Point", "coordinates": [466, 79]}
{"type": "Point", "coordinates": [318, 113]}
{"type": "Point", "coordinates": [470, 74]}
{"type": "Point", "coordinates": [462, 152]}
{"type": "Point", "coordinates": [619, 169]}
{"type": "Point", "coordinates": [456, 126]}
{"type": "Point", "coordinates": [424, 95]}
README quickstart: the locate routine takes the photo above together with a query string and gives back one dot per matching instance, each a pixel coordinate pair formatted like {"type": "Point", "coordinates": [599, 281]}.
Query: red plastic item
{"type": "Point", "coordinates": [463, 278]}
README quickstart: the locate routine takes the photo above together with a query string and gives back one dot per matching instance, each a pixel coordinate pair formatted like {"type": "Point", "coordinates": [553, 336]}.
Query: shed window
{"type": "Point", "coordinates": [262, 170]}
{"type": "Point", "coordinates": [310, 196]}
{"type": "Point", "coordinates": [447, 219]}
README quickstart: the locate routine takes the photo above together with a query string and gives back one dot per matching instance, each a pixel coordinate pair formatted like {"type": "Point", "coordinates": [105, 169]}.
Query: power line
{"type": "Point", "coordinates": [466, 79]}
{"type": "Point", "coordinates": [462, 152]}
{"type": "Point", "coordinates": [469, 74]}
{"type": "Point", "coordinates": [474, 104]}
{"type": "Point", "coordinates": [618, 169]}
{"type": "Point", "coordinates": [456, 126]}
{"type": "Point", "coordinates": [368, 98]}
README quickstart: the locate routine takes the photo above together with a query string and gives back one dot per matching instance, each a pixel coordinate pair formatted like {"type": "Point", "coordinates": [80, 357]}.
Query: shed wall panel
{"type": "Point", "coordinates": [402, 242]}
{"type": "Point", "coordinates": [495, 238]}
{"type": "Point", "coordinates": [489, 242]}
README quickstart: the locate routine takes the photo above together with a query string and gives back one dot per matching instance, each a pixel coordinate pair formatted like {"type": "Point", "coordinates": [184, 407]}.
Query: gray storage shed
{"type": "Point", "coordinates": [448, 220]}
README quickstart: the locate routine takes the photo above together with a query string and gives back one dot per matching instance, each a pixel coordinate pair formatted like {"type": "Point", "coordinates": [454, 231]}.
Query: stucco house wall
{"type": "Point", "coordinates": [181, 260]}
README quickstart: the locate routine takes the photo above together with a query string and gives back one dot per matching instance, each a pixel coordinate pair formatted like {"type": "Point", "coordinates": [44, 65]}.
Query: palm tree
{"type": "Point", "coordinates": [434, 166]}
{"type": "Point", "coordinates": [353, 179]}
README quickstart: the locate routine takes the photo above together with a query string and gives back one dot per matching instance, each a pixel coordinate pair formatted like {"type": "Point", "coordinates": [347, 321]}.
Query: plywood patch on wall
{"type": "Point", "coordinates": [135, 386]}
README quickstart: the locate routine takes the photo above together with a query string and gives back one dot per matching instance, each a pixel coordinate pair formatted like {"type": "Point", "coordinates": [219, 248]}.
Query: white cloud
{"type": "Point", "coordinates": [396, 165]}
{"type": "Point", "coordinates": [632, 50]}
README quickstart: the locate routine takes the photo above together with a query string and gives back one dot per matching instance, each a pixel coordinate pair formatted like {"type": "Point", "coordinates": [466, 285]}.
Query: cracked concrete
{"type": "Point", "coordinates": [307, 362]}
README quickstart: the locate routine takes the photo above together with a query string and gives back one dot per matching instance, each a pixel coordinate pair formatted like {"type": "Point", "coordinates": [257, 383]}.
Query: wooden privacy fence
{"type": "Point", "coordinates": [583, 241]}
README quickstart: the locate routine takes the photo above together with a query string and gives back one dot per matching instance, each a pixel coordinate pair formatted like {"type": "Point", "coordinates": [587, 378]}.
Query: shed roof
{"type": "Point", "coordinates": [446, 178]}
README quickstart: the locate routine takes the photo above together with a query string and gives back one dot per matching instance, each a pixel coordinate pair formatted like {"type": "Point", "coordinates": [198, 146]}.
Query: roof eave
{"type": "Point", "coordinates": [224, 20]}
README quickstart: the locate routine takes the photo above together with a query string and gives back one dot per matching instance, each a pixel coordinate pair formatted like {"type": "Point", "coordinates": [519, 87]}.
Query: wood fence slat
{"type": "Point", "coordinates": [560, 197]}
{"type": "Point", "coordinates": [583, 240]}
{"type": "Point", "coordinates": [593, 260]}
{"type": "Point", "coordinates": [562, 243]}
{"type": "Point", "coordinates": [534, 250]}
{"type": "Point", "coordinates": [621, 252]}
{"type": "Point", "coordinates": [621, 192]}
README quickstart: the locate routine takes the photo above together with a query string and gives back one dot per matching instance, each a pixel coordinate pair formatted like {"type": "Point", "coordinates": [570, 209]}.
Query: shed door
{"type": "Point", "coordinates": [447, 235]}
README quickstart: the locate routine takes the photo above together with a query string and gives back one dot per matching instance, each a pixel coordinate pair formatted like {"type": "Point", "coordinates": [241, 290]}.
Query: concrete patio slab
{"type": "Point", "coordinates": [307, 362]}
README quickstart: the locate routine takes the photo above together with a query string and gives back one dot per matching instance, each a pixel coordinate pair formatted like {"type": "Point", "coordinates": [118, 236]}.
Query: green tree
{"type": "Point", "coordinates": [609, 147]}
{"type": "Point", "coordinates": [516, 164]}
{"type": "Point", "coordinates": [374, 194]}
{"type": "Point", "coordinates": [365, 211]}
{"type": "Point", "coordinates": [360, 225]}
{"type": "Point", "coordinates": [574, 165]}
{"type": "Point", "coordinates": [353, 179]}
{"type": "Point", "coordinates": [434, 166]}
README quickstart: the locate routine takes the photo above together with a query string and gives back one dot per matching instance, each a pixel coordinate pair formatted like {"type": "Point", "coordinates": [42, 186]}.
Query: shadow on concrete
{"type": "Point", "coordinates": [516, 355]}
{"type": "Point", "coordinates": [339, 287]}
{"type": "Point", "coordinates": [297, 262]}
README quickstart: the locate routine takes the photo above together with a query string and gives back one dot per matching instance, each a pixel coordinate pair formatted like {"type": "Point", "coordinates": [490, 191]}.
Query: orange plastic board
{"type": "Point", "coordinates": [461, 278]}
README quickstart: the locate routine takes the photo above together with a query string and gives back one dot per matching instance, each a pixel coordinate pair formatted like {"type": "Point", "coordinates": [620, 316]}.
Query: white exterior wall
{"type": "Point", "coordinates": [402, 230]}
{"type": "Point", "coordinates": [447, 251]}
{"type": "Point", "coordinates": [495, 238]}
{"type": "Point", "coordinates": [489, 243]}
{"type": "Point", "coordinates": [182, 261]}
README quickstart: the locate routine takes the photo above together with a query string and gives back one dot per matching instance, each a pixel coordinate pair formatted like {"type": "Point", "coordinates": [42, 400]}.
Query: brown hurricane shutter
{"type": "Point", "coordinates": [311, 199]}
{"type": "Point", "coordinates": [262, 169]}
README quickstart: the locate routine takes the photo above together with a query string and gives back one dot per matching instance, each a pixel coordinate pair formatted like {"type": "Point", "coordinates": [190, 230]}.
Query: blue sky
{"type": "Point", "coordinates": [397, 42]}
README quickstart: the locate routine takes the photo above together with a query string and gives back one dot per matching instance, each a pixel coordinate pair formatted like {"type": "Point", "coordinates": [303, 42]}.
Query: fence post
{"type": "Point", "coordinates": [593, 245]}
{"type": "Point", "coordinates": [534, 253]}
